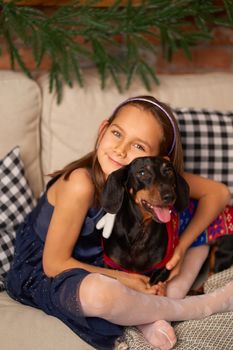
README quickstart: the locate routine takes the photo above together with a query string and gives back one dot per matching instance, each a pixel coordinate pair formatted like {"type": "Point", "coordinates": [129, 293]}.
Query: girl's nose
{"type": "Point", "coordinates": [120, 150]}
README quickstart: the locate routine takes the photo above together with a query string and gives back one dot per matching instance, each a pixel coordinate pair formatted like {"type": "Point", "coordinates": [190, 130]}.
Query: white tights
{"type": "Point", "coordinates": [107, 298]}
{"type": "Point", "coordinates": [160, 333]}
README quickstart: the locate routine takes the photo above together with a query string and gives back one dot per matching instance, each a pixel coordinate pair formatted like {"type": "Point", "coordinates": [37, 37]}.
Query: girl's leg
{"type": "Point", "coordinates": [107, 298]}
{"type": "Point", "coordinates": [179, 286]}
{"type": "Point", "coordinates": [160, 333]}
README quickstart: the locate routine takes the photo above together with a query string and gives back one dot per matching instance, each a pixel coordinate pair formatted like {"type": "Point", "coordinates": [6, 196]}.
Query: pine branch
{"type": "Point", "coordinates": [137, 27]}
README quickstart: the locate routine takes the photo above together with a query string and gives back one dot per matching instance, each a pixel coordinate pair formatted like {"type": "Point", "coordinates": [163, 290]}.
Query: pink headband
{"type": "Point", "coordinates": [132, 99]}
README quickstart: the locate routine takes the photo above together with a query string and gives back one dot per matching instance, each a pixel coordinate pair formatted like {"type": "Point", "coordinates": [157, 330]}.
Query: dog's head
{"type": "Point", "coordinates": [154, 185]}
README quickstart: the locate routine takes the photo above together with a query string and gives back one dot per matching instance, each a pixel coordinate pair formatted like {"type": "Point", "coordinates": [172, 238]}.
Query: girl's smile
{"type": "Point", "coordinates": [116, 162]}
{"type": "Point", "coordinates": [133, 133]}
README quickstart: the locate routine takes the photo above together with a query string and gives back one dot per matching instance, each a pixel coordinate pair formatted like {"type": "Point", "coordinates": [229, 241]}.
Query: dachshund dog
{"type": "Point", "coordinates": [221, 254]}
{"type": "Point", "coordinates": [143, 196]}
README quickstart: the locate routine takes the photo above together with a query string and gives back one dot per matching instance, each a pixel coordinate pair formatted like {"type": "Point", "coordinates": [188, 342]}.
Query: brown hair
{"type": "Point", "coordinates": [90, 160]}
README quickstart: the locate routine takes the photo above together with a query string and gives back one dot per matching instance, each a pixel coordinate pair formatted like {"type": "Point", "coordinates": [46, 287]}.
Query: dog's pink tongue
{"type": "Point", "coordinates": [163, 214]}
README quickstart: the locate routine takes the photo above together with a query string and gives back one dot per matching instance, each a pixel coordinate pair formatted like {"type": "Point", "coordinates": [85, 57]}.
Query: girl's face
{"type": "Point", "coordinates": [133, 133]}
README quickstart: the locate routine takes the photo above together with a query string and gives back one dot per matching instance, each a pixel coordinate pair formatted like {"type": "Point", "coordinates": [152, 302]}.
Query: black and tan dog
{"type": "Point", "coordinates": [143, 195]}
{"type": "Point", "coordinates": [221, 254]}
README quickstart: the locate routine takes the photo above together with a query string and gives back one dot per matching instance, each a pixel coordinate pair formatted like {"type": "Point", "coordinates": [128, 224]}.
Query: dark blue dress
{"type": "Point", "coordinates": [27, 283]}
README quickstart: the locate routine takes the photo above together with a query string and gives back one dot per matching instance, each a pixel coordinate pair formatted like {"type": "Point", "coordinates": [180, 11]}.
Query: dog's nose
{"type": "Point", "coordinates": [167, 198]}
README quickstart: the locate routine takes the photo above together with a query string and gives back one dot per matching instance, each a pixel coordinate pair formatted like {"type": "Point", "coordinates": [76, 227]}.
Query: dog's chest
{"type": "Point", "coordinates": [137, 247]}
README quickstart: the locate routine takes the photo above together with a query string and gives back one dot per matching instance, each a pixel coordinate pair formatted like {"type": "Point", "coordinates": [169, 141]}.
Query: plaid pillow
{"type": "Point", "coordinates": [207, 139]}
{"type": "Point", "coordinates": [16, 200]}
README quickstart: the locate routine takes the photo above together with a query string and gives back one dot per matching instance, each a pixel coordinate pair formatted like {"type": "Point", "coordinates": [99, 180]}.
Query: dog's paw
{"type": "Point", "coordinates": [159, 276]}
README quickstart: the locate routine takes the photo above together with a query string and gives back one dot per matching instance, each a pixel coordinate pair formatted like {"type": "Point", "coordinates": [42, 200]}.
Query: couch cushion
{"type": "Point", "coordinates": [69, 129]}
{"type": "Point", "coordinates": [16, 201]}
{"type": "Point", "coordinates": [20, 110]}
{"type": "Point", "coordinates": [26, 328]}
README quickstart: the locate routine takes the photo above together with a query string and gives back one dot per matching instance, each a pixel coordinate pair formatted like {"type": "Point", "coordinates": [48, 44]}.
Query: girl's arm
{"type": "Point", "coordinates": [71, 200]}
{"type": "Point", "coordinates": [212, 197]}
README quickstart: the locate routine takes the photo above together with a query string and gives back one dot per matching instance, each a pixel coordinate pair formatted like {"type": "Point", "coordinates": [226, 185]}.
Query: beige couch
{"type": "Point", "coordinates": [51, 135]}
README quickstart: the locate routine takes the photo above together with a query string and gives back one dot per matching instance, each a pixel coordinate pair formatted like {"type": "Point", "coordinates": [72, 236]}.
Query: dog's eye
{"type": "Point", "coordinates": [141, 173]}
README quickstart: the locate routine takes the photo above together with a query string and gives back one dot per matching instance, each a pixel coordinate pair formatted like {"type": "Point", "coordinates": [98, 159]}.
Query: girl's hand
{"type": "Point", "coordinates": [140, 283]}
{"type": "Point", "coordinates": [176, 262]}
{"type": "Point", "coordinates": [161, 289]}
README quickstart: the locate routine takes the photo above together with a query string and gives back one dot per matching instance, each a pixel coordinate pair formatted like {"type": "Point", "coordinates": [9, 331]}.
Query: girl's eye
{"type": "Point", "coordinates": [139, 147]}
{"type": "Point", "coordinates": [116, 133]}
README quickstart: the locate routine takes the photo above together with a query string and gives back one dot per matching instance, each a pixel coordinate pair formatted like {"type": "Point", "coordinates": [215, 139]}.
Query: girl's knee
{"type": "Point", "coordinates": [92, 287]}
{"type": "Point", "coordinates": [96, 294]}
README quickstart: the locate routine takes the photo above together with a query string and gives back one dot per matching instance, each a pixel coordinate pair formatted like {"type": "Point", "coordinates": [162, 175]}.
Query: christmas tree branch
{"type": "Point", "coordinates": [114, 38]}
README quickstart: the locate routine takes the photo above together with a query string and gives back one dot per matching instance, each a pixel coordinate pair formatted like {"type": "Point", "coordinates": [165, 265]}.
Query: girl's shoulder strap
{"type": "Point", "coordinates": [52, 181]}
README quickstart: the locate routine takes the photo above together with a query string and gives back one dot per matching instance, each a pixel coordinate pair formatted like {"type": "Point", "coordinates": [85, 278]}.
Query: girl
{"type": "Point", "coordinates": [58, 255]}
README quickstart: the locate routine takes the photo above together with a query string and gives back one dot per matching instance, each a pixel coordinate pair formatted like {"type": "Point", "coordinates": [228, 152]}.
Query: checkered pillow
{"type": "Point", "coordinates": [16, 200]}
{"type": "Point", "coordinates": [207, 138]}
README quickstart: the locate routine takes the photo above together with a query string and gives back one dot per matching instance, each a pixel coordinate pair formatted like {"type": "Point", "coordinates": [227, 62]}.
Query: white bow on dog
{"type": "Point", "coordinates": [107, 223]}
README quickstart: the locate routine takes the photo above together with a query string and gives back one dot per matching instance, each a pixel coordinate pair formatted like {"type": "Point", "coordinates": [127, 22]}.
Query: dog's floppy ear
{"type": "Point", "coordinates": [113, 192]}
{"type": "Point", "coordinates": [182, 193]}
